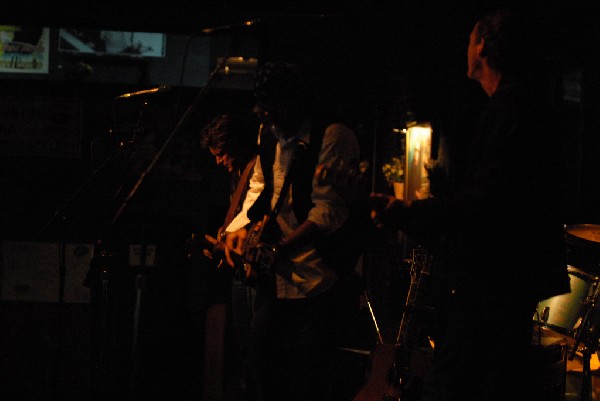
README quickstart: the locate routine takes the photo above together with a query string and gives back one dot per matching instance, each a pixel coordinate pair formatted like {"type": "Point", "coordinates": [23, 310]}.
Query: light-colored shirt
{"type": "Point", "coordinates": [307, 275]}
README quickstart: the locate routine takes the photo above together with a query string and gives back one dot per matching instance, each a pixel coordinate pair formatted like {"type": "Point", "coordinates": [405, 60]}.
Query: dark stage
{"type": "Point", "coordinates": [85, 313]}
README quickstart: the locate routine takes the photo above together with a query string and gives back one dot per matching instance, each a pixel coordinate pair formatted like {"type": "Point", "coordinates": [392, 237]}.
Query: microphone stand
{"type": "Point", "coordinates": [60, 213]}
{"type": "Point", "coordinates": [140, 279]}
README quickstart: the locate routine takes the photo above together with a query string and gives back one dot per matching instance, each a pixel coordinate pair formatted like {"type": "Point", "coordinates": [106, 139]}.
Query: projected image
{"type": "Point", "coordinates": [118, 43]}
{"type": "Point", "coordinates": [24, 49]}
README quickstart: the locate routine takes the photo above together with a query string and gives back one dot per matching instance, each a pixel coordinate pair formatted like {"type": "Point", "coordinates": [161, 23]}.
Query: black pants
{"type": "Point", "coordinates": [485, 351]}
{"type": "Point", "coordinates": [294, 343]}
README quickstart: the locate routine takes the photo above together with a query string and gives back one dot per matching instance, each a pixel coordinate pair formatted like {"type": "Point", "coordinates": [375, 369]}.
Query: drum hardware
{"type": "Point", "coordinates": [575, 316]}
{"type": "Point", "coordinates": [587, 336]}
{"type": "Point", "coordinates": [562, 313]}
{"type": "Point", "coordinates": [545, 315]}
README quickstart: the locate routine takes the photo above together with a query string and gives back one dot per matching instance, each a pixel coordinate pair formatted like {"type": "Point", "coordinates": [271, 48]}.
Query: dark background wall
{"type": "Point", "coordinates": [373, 62]}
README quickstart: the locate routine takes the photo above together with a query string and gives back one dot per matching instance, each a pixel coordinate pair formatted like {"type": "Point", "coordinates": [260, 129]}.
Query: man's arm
{"type": "Point", "coordinates": [339, 148]}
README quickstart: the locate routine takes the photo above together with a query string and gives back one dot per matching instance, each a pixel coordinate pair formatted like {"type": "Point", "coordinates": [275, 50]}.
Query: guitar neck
{"type": "Point", "coordinates": [419, 273]}
{"type": "Point", "coordinates": [410, 324]}
{"type": "Point", "coordinates": [391, 376]}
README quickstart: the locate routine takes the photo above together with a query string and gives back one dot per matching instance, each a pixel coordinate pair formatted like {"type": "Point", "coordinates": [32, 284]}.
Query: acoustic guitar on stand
{"type": "Point", "coordinates": [397, 370]}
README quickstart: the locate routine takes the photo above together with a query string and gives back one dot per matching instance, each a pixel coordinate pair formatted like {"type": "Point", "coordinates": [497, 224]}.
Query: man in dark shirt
{"type": "Point", "coordinates": [499, 234]}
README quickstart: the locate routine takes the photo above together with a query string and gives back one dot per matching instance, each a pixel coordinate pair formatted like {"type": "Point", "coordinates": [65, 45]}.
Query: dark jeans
{"type": "Point", "coordinates": [485, 352]}
{"type": "Point", "coordinates": [242, 313]}
{"type": "Point", "coordinates": [294, 343]}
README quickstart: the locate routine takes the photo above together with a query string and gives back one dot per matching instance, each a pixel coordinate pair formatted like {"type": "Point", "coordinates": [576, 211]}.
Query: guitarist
{"type": "Point", "coordinates": [228, 138]}
{"type": "Point", "coordinates": [232, 141]}
{"type": "Point", "coordinates": [297, 300]}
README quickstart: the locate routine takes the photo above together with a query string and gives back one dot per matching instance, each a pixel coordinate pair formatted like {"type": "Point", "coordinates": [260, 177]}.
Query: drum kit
{"type": "Point", "coordinates": [576, 315]}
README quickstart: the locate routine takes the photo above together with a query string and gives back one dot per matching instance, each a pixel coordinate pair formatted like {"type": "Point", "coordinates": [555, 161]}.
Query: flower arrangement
{"type": "Point", "coordinates": [394, 170]}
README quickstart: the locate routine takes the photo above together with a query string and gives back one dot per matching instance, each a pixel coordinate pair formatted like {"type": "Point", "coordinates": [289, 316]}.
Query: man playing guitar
{"type": "Point", "coordinates": [298, 299]}
{"type": "Point", "coordinates": [232, 141]}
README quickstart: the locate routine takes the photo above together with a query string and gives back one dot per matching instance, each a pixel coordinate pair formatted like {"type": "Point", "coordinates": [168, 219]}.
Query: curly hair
{"type": "Point", "coordinates": [282, 81]}
{"type": "Point", "coordinates": [231, 134]}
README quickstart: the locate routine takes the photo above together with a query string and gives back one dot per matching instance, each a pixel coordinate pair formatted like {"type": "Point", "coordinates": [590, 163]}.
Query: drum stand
{"type": "Point", "coordinates": [587, 334]}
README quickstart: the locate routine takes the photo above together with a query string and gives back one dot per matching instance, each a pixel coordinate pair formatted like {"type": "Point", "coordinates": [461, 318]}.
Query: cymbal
{"type": "Point", "coordinates": [590, 233]}
{"type": "Point", "coordinates": [583, 246]}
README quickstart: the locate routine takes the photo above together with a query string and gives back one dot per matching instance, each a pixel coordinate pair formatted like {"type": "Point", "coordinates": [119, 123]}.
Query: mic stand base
{"type": "Point", "coordinates": [140, 282]}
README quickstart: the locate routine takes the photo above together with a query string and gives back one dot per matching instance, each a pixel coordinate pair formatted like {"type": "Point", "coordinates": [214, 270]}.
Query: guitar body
{"type": "Point", "coordinates": [383, 383]}
{"type": "Point", "coordinates": [379, 386]}
{"type": "Point", "coordinates": [259, 257]}
{"type": "Point", "coordinates": [398, 370]}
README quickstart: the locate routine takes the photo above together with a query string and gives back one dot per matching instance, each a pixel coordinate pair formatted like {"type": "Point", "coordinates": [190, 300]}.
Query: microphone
{"type": "Point", "coordinates": [230, 27]}
{"type": "Point", "coordinates": [160, 89]}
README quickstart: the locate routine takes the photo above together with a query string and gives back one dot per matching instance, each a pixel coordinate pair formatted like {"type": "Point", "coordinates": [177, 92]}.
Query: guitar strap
{"type": "Point", "coordinates": [287, 181]}
{"type": "Point", "coordinates": [269, 217]}
{"type": "Point", "coordinates": [239, 189]}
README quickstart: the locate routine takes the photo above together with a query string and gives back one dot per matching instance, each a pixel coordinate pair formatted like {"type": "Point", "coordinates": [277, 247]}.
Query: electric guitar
{"type": "Point", "coordinates": [258, 257]}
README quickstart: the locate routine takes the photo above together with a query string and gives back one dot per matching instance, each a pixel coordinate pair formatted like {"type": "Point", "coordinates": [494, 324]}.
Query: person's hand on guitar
{"type": "Point", "coordinates": [245, 249]}
{"type": "Point", "coordinates": [216, 247]}
{"type": "Point", "coordinates": [212, 241]}
{"type": "Point", "coordinates": [235, 242]}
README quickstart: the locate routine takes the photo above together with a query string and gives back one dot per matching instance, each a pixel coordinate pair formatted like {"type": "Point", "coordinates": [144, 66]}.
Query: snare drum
{"type": "Point", "coordinates": [564, 311]}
